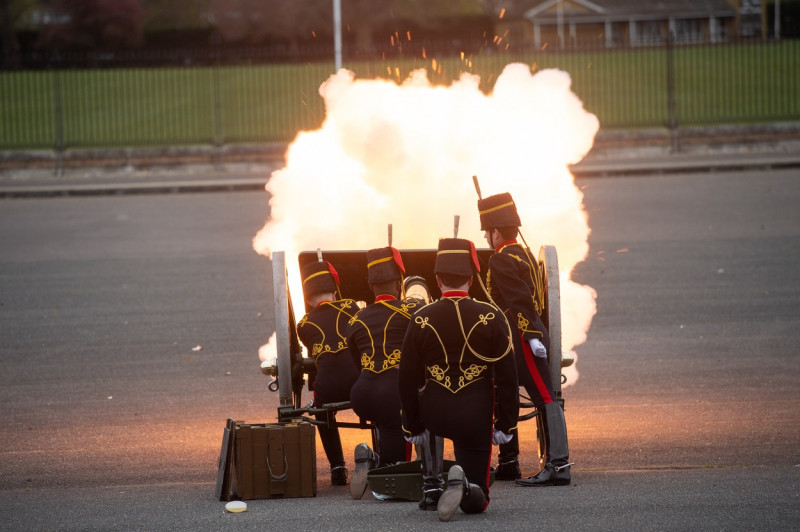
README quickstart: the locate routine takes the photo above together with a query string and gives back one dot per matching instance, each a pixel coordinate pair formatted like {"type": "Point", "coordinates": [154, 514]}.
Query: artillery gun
{"type": "Point", "coordinates": [291, 368]}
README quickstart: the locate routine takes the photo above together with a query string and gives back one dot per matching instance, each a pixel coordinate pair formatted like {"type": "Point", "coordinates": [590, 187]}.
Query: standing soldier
{"type": "Point", "coordinates": [515, 286]}
{"type": "Point", "coordinates": [322, 331]}
{"type": "Point", "coordinates": [457, 357]}
{"type": "Point", "coordinates": [375, 338]}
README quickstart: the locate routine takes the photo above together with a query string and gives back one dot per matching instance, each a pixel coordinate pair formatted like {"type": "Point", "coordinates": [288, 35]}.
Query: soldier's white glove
{"type": "Point", "coordinates": [418, 439]}
{"type": "Point", "coordinates": [538, 348]}
{"type": "Point", "coordinates": [500, 437]}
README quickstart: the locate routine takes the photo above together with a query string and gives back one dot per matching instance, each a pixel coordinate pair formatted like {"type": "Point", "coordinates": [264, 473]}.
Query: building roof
{"type": "Point", "coordinates": [602, 10]}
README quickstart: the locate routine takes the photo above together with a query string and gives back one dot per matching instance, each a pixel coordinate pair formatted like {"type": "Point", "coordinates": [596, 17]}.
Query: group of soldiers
{"type": "Point", "coordinates": [423, 371]}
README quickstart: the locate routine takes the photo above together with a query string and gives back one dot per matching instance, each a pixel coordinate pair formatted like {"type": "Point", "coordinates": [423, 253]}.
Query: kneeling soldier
{"type": "Point", "coordinates": [375, 337]}
{"type": "Point", "coordinates": [322, 331]}
{"type": "Point", "coordinates": [460, 349]}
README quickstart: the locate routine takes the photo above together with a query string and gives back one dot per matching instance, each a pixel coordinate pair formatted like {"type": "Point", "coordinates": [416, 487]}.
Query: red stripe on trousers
{"type": "Point", "coordinates": [491, 435]}
{"type": "Point", "coordinates": [534, 371]}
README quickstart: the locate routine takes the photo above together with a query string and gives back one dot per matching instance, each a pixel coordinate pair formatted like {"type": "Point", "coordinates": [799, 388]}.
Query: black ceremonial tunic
{"type": "Point", "coordinates": [375, 339]}
{"type": "Point", "coordinates": [515, 284]}
{"type": "Point", "coordinates": [322, 331]}
{"type": "Point", "coordinates": [460, 348]}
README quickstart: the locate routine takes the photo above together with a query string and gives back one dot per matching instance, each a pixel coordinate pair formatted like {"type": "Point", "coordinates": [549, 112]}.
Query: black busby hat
{"type": "Point", "coordinates": [319, 277]}
{"type": "Point", "coordinates": [456, 256]}
{"type": "Point", "coordinates": [498, 211]}
{"type": "Point", "coordinates": [384, 264]}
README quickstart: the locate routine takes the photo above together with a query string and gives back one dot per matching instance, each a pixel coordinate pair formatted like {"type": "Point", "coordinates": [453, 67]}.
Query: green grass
{"type": "Point", "coordinates": [264, 103]}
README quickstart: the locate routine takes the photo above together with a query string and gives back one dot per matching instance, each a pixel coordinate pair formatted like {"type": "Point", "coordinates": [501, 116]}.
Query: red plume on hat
{"type": "Point", "coordinates": [319, 277]}
{"type": "Point", "coordinates": [474, 255]}
{"type": "Point", "coordinates": [384, 264]}
{"type": "Point", "coordinates": [398, 260]}
{"type": "Point", "coordinates": [334, 273]}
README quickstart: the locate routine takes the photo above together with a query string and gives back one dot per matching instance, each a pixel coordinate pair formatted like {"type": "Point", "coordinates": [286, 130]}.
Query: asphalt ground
{"type": "Point", "coordinates": [131, 325]}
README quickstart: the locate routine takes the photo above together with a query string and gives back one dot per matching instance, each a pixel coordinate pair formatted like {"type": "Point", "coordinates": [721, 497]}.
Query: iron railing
{"type": "Point", "coordinates": [102, 100]}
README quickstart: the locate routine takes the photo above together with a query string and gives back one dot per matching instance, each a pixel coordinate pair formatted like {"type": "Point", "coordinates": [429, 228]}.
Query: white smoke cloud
{"type": "Point", "coordinates": [404, 154]}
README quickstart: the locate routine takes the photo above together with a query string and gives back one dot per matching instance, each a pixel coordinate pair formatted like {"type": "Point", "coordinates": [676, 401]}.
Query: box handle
{"type": "Point", "coordinates": [273, 476]}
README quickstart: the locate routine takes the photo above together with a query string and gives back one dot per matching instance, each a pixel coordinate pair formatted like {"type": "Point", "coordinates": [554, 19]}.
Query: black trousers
{"type": "Point", "coordinates": [465, 418]}
{"type": "Point", "coordinates": [376, 398]}
{"type": "Point", "coordinates": [534, 375]}
{"type": "Point", "coordinates": [334, 379]}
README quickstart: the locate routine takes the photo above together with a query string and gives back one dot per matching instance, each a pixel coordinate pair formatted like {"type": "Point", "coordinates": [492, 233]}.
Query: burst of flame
{"type": "Point", "coordinates": [405, 153]}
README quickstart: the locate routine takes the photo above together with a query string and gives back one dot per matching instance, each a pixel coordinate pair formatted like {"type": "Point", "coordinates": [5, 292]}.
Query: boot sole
{"type": "Point", "coordinates": [448, 504]}
{"type": "Point", "coordinates": [450, 499]}
{"type": "Point", "coordinates": [358, 482]}
{"type": "Point", "coordinates": [559, 482]}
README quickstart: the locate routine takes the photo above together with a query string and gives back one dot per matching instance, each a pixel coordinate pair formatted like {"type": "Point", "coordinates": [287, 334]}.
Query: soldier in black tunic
{"type": "Point", "coordinates": [322, 331]}
{"type": "Point", "coordinates": [514, 283]}
{"type": "Point", "coordinates": [375, 337]}
{"type": "Point", "coordinates": [457, 359]}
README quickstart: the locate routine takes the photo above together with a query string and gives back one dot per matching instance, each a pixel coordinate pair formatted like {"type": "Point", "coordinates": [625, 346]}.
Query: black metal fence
{"type": "Point", "coordinates": [175, 97]}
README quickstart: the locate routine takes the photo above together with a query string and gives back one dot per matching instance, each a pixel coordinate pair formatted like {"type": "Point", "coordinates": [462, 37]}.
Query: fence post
{"type": "Point", "coordinates": [672, 104]}
{"type": "Point", "coordinates": [58, 119]}
{"type": "Point", "coordinates": [219, 138]}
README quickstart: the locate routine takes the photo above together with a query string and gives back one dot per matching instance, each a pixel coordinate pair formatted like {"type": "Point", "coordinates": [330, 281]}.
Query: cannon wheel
{"type": "Point", "coordinates": [548, 259]}
{"type": "Point", "coordinates": [285, 333]}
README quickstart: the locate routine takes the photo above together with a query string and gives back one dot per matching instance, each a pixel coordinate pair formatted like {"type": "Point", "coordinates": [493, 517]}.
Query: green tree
{"type": "Point", "coordinates": [13, 14]}
{"type": "Point", "coordinates": [177, 14]}
{"type": "Point", "coordinates": [258, 21]}
{"type": "Point", "coordinates": [368, 18]}
{"type": "Point", "coordinates": [93, 23]}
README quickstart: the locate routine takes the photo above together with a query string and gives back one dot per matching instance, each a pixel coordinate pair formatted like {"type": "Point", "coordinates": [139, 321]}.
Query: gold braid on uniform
{"type": "Point", "coordinates": [438, 374]}
{"type": "Point", "coordinates": [473, 371]}
{"type": "Point", "coordinates": [341, 310]}
{"type": "Point", "coordinates": [483, 320]}
{"type": "Point", "coordinates": [321, 347]}
{"type": "Point", "coordinates": [407, 307]}
{"type": "Point", "coordinates": [494, 305]}
{"type": "Point", "coordinates": [486, 290]}
{"type": "Point", "coordinates": [392, 359]}
{"type": "Point", "coordinates": [367, 361]}
{"type": "Point", "coordinates": [538, 280]}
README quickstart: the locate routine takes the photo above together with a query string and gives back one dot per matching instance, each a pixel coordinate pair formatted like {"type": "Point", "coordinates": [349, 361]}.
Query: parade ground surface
{"type": "Point", "coordinates": [131, 325]}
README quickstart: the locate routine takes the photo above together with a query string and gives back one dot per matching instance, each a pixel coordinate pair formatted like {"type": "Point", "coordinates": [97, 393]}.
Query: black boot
{"type": "Point", "coordinates": [460, 494]}
{"type": "Point", "coordinates": [508, 470]}
{"type": "Point", "coordinates": [507, 461]}
{"type": "Point", "coordinates": [432, 455]}
{"type": "Point", "coordinates": [339, 476]}
{"type": "Point", "coordinates": [332, 445]}
{"type": "Point", "coordinates": [551, 475]}
{"type": "Point", "coordinates": [556, 471]}
{"type": "Point", "coordinates": [451, 497]}
{"type": "Point", "coordinates": [365, 459]}
{"type": "Point", "coordinates": [474, 500]}
{"type": "Point", "coordinates": [430, 499]}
